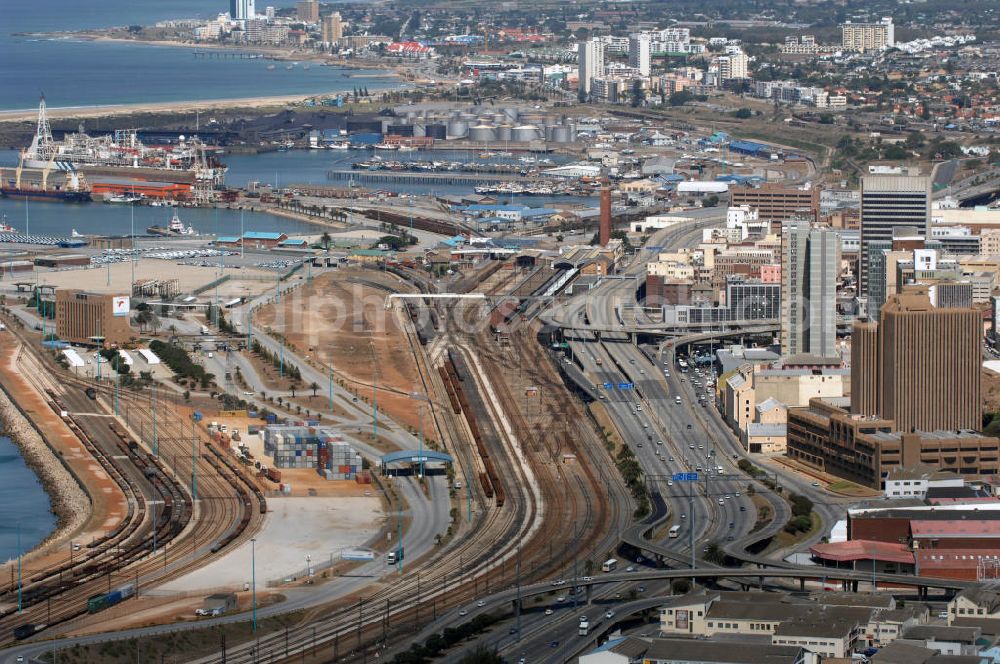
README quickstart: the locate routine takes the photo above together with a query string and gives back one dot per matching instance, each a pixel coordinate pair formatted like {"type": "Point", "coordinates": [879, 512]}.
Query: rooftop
{"type": "Point", "coordinates": [978, 528]}
{"type": "Point", "coordinates": [863, 550]}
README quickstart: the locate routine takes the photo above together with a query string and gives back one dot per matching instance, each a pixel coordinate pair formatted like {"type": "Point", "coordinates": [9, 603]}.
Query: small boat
{"type": "Point", "coordinates": [270, 67]}
{"type": "Point", "coordinates": [340, 145]}
{"type": "Point", "coordinates": [407, 148]}
{"type": "Point", "coordinates": [7, 228]}
{"type": "Point", "coordinates": [73, 233]}
{"type": "Point", "coordinates": [305, 66]}
{"type": "Point", "coordinates": [289, 66]}
{"type": "Point", "coordinates": [127, 199]}
{"type": "Point", "coordinates": [386, 146]}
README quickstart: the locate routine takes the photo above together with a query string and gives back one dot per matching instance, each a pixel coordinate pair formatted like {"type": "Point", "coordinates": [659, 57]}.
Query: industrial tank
{"type": "Point", "coordinates": [511, 113]}
{"type": "Point", "coordinates": [436, 131]}
{"type": "Point", "coordinates": [525, 133]}
{"type": "Point", "coordinates": [562, 134]}
{"type": "Point", "coordinates": [505, 133]}
{"type": "Point", "coordinates": [458, 129]}
{"type": "Point", "coordinates": [483, 133]}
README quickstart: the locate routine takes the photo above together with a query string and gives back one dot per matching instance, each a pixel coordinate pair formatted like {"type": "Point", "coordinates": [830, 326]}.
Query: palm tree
{"type": "Point", "coordinates": [314, 387]}
{"type": "Point", "coordinates": [714, 554]}
{"type": "Point", "coordinates": [325, 239]}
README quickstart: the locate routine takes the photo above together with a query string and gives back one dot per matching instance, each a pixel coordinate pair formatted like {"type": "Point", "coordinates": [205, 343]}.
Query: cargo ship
{"type": "Point", "coordinates": [10, 189]}
{"type": "Point", "coordinates": [122, 155]}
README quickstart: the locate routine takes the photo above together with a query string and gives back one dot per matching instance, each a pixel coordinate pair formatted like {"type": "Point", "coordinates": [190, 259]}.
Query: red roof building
{"type": "Point", "coordinates": [410, 49]}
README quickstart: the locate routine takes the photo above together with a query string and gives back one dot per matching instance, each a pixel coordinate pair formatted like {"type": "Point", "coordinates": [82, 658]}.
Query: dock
{"type": "Point", "coordinates": [471, 179]}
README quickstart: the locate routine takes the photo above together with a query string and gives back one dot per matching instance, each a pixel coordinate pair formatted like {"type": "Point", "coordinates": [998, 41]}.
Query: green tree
{"type": "Point", "coordinates": [743, 113]}
{"type": "Point", "coordinates": [314, 386]}
{"type": "Point", "coordinates": [680, 98]}
{"type": "Point", "coordinates": [714, 554]}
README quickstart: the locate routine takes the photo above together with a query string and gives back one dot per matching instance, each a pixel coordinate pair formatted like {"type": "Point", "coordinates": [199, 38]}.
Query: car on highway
{"type": "Point", "coordinates": [463, 612]}
{"type": "Point", "coordinates": [642, 589]}
{"type": "Point", "coordinates": [659, 442]}
{"type": "Point", "coordinates": [701, 447]}
{"type": "Point", "coordinates": [684, 516]}
{"type": "Point", "coordinates": [554, 644]}
{"type": "Point", "coordinates": [481, 604]}
{"type": "Point", "coordinates": [815, 483]}
{"type": "Point", "coordinates": [743, 508]}
{"type": "Point", "coordinates": [638, 408]}
{"type": "Point", "coordinates": [689, 427]}
{"type": "Point", "coordinates": [670, 482]}
{"type": "Point", "coordinates": [561, 598]}
{"type": "Point", "coordinates": [671, 458]}
{"type": "Point", "coordinates": [609, 615]}
{"type": "Point", "coordinates": [559, 582]}
{"type": "Point", "coordinates": [629, 569]}
{"type": "Point", "coordinates": [721, 501]}
{"type": "Point", "coordinates": [690, 446]}
{"type": "Point", "coordinates": [588, 578]}
{"type": "Point", "coordinates": [549, 612]}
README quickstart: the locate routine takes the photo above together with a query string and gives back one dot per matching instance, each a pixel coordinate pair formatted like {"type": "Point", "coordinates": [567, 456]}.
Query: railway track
{"type": "Point", "coordinates": [162, 549]}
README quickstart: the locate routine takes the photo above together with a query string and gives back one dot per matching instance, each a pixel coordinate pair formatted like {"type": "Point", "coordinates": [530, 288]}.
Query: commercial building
{"type": "Point", "coordinates": [92, 318]}
{"type": "Point", "coordinates": [307, 10]}
{"type": "Point", "coordinates": [241, 10]}
{"type": "Point", "coordinates": [866, 449]}
{"type": "Point", "coordinates": [862, 37]}
{"type": "Point", "coordinates": [332, 28]}
{"type": "Point", "coordinates": [630, 650]}
{"type": "Point", "coordinates": [888, 202]}
{"type": "Point", "coordinates": [591, 64]}
{"type": "Point", "coordinates": [778, 202]}
{"type": "Point", "coordinates": [810, 266]}
{"type": "Point", "coordinates": [919, 366]}
{"type": "Point", "coordinates": [639, 51]}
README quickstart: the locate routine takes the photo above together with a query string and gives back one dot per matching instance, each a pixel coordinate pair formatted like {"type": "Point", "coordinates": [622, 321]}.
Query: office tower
{"type": "Point", "coordinates": [861, 37]}
{"type": "Point", "coordinates": [241, 10]}
{"type": "Point", "coordinates": [591, 57]}
{"type": "Point", "coordinates": [605, 223]}
{"type": "Point", "coordinates": [333, 28]}
{"type": "Point", "coordinates": [639, 53]}
{"type": "Point", "coordinates": [809, 268]}
{"type": "Point", "coordinates": [919, 367]}
{"type": "Point", "coordinates": [307, 10]}
{"type": "Point", "coordinates": [269, 13]}
{"type": "Point", "coordinates": [888, 202]}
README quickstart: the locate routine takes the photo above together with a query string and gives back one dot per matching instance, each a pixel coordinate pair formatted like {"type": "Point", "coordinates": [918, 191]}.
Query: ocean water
{"type": "Point", "coordinates": [73, 72]}
{"type": "Point", "coordinates": [25, 504]}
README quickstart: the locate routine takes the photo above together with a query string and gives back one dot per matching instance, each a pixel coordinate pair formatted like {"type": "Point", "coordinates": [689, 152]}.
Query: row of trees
{"type": "Point", "coordinates": [276, 361]}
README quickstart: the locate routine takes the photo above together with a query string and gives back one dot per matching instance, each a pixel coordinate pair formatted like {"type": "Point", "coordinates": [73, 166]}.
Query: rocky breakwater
{"type": "Point", "coordinates": [69, 502]}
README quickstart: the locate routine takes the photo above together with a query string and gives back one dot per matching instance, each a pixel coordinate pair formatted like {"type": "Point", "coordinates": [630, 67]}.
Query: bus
{"type": "Point", "coordinates": [609, 565]}
{"type": "Point", "coordinates": [675, 531]}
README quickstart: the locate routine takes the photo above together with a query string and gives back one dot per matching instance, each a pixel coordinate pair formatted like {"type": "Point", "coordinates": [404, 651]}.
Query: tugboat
{"type": "Point", "coordinates": [175, 227]}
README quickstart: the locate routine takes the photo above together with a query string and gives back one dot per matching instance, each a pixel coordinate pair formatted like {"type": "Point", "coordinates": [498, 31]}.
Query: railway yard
{"type": "Point", "coordinates": [499, 384]}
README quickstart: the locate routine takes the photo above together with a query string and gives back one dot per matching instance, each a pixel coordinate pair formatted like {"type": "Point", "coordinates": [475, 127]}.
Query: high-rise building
{"type": "Point", "coordinates": [307, 10]}
{"type": "Point", "coordinates": [269, 12]}
{"type": "Point", "coordinates": [333, 28]}
{"type": "Point", "coordinates": [919, 366]}
{"type": "Point", "coordinates": [241, 10]}
{"type": "Point", "coordinates": [861, 37]}
{"type": "Point", "coordinates": [809, 268]}
{"type": "Point", "coordinates": [639, 48]}
{"type": "Point", "coordinates": [591, 57]}
{"type": "Point", "coordinates": [888, 202]}
{"type": "Point", "coordinates": [734, 66]}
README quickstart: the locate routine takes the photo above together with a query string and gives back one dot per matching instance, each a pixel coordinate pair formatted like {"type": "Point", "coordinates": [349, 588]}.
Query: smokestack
{"type": "Point", "coordinates": [605, 228]}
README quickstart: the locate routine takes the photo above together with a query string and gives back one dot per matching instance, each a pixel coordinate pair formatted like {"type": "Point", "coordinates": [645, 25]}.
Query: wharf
{"type": "Point", "coordinates": [473, 179]}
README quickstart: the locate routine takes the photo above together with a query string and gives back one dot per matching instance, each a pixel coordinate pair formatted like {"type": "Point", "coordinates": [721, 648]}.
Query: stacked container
{"type": "Point", "coordinates": [322, 448]}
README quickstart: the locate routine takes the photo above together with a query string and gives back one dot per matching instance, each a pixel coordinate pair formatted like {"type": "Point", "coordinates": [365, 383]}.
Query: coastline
{"type": "Point", "coordinates": [111, 110]}
{"type": "Point", "coordinates": [67, 499]}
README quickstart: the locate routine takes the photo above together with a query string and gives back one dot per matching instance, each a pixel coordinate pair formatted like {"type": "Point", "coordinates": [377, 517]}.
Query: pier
{"type": "Point", "coordinates": [374, 177]}
{"type": "Point", "coordinates": [228, 54]}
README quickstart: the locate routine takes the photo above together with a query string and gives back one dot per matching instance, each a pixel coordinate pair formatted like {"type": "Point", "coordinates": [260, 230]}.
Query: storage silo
{"type": "Point", "coordinates": [483, 133]}
{"type": "Point", "coordinates": [505, 133]}
{"type": "Point", "coordinates": [458, 128]}
{"type": "Point", "coordinates": [511, 113]}
{"type": "Point", "coordinates": [525, 133]}
{"type": "Point", "coordinates": [562, 134]}
{"type": "Point", "coordinates": [436, 131]}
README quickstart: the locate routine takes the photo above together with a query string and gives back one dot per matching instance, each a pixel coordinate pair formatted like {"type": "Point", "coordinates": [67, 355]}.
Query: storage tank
{"type": "Point", "coordinates": [525, 133]}
{"type": "Point", "coordinates": [505, 133]}
{"type": "Point", "coordinates": [548, 130]}
{"type": "Point", "coordinates": [436, 131]}
{"type": "Point", "coordinates": [483, 133]}
{"type": "Point", "coordinates": [418, 130]}
{"type": "Point", "coordinates": [511, 113]}
{"type": "Point", "coordinates": [458, 129]}
{"type": "Point", "coordinates": [562, 134]}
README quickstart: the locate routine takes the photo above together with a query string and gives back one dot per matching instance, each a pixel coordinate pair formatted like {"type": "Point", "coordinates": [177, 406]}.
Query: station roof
{"type": "Point", "coordinates": [413, 456]}
{"type": "Point", "coordinates": [264, 235]}
{"type": "Point", "coordinates": [863, 550]}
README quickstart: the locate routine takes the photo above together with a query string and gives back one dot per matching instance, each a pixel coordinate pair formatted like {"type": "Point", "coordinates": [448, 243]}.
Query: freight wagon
{"type": "Point", "coordinates": [98, 603]}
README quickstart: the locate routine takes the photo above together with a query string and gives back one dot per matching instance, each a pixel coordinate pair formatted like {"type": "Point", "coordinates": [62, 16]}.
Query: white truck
{"type": "Point", "coordinates": [584, 626]}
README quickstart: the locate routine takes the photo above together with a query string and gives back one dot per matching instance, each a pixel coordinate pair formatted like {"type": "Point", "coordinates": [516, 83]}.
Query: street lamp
{"type": "Point", "coordinates": [253, 579]}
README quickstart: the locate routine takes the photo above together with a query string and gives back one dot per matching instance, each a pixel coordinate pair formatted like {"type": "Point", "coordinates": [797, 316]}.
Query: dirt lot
{"type": "Point", "coordinates": [991, 391]}
{"type": "Point", "coordinates": [334, 320]}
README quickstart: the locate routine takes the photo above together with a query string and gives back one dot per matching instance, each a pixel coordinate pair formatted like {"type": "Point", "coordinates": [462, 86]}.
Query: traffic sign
{"type": "Point", "coordinates": [609, 386]}
{"type": "Point", "coordinates": [625, 386]}
{"type": "Point", "coordinates": [685, 477]}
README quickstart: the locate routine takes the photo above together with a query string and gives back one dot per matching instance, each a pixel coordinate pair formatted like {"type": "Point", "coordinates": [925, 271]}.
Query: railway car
{"type": "Point", "coordinates": [98, 603]}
